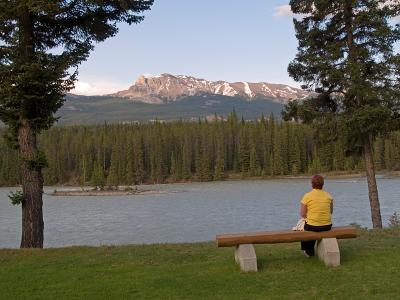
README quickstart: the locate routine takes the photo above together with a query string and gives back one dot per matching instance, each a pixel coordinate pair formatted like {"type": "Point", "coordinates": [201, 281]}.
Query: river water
{"type": "Point", "coordinates": [191, 212]}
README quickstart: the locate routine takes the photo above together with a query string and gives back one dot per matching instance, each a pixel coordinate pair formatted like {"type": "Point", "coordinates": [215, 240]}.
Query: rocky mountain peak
{"type": "Point", "coordinates": [166, 88]}
{"type": "Point", "coordinates": [142, 80]}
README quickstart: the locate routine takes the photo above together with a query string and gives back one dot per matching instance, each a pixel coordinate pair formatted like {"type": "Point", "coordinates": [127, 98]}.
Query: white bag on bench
{"type": "Point", "coordinates": [300, 225]}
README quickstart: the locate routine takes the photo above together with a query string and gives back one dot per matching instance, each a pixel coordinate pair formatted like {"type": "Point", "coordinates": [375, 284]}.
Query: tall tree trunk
{"type": "Point", "coordinates": [31, 176]}
{"type": "Point", "coordinates": [32, 187]}
{"type": "Point", "coordinates": [369, 161]}
{"type": "Point", "coordinates": [372, 187]}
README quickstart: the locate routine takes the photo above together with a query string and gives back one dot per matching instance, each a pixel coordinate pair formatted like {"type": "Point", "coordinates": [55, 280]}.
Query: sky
{"type": "Point", "coordinates": [230, 40]}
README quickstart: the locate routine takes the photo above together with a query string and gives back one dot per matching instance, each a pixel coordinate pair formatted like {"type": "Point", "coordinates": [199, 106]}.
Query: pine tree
{"type": "Point", "coordinates": [285, 148]}
{"type": "Point", "coordinates": [243, 150]}
{"type": "Point", "coordinates": [158, 162]}
{"type": "Point", "coordinates": [130, 164]}
{"type": "Point", "coordinates": [41, 45]}
{"type": "Point", "coordinates": [174, 170]}
{"type": "Point", "coordinates": [254, 163]}
{"type": "Point", "coordinates": [122, 162]}
{"type": "Point", "coordinates": [84, 174]}
{"type": "Point", "coordinates": [388, 155]}
{"type": "Point", "coordinates": [346, 55]}
{"type": "Point", "coordinates": [186, 161]}
{"type": "Point", "coordinates": [277, 153]}
{"type": "Point", "coordinates": [379, 153]}
{"type": "Point", "coordinates": [219, 168]}
{"type": "Point", "coordinates": [268, 167]}
{"type": "Point", "coordinates": [113, 179]}
{"type": "Point", "coordinates": [139, 164]}
{"type": "Point", "coordinates": [316, 166]}
{"type": "Point", "coordinates": [338, 157]}
{"type": "Point", "coordinates": [304, 144]}
{"type": "Point", "coordinates": [396, 150]}
{"type": "Point", "coordinates": [98, 179]}
{"type": "Point", "coordinates": [232, 160]}
{"type": "Point", "coordinates": [203, 161]}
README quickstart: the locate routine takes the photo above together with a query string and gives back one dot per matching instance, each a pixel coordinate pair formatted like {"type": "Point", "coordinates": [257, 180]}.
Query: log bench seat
{"type": "Point", "coordinates": [327, 246]}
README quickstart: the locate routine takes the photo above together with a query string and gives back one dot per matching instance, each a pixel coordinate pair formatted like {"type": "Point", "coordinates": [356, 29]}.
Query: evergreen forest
{"type": "Point", "coordinates": [109, 155]}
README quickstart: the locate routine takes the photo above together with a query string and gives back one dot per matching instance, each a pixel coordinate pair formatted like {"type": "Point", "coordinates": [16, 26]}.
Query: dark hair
{"type": "Point", "coordinates": [317, 182]}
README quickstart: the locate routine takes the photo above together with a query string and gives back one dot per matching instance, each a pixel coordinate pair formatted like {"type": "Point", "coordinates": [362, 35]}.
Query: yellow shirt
{"type": "Point", "coordinates": [318, 204]}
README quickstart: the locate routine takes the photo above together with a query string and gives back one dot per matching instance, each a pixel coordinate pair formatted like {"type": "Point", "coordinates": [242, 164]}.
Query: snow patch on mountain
{"type": "Point", "coordinates": [247, 90]}
{"type": "Point", "coordinates": [228, 90]}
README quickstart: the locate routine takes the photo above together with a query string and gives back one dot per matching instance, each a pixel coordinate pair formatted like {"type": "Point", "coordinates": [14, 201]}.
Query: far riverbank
{"type": "Point", "coordinates": [90, 191]}
{"type": "Point", "coordinates": [95, 192]}
{"type": "Point", "coordinates": [67, 190]}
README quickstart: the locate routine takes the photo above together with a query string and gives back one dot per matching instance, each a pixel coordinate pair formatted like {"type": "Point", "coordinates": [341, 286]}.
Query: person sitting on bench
{"type": "Point", "coordinates": [316, 208]}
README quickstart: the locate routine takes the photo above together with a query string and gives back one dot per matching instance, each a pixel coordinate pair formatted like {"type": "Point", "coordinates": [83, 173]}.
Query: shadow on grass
{"type": "Point", "coordinates": [262, 264]}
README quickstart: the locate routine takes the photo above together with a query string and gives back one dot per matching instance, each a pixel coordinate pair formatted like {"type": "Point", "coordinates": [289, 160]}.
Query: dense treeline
{"type": "Point", "coordinates": [126, 154]}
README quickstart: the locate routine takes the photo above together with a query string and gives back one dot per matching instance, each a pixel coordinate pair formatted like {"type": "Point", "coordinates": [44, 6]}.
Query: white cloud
{"type": "Point", "coordinates": [97, 87]}
{"type": "Point", "coordinates": [81, 87]}
{"type": "Point", "coordinates": [283, 11]}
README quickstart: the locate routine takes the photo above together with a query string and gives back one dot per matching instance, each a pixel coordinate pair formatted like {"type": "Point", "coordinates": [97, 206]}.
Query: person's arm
{"type": "Point", "coordinates": [303, 210]}
{"type": "Point", "coordinates": [331, 207]}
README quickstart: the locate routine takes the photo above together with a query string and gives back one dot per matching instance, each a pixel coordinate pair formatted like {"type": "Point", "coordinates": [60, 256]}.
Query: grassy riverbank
{"type": "Point", "coordinates": [370, 270]}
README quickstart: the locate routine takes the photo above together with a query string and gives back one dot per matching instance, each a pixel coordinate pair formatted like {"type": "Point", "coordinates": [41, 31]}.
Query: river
{"type": "Point", "coordinates": [191, 212]}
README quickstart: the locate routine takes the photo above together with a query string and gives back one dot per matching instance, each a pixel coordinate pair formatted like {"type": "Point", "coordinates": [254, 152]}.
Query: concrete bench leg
{"type": "Point", "coordinates": [328, 252]}
{"type": "Point", "coordinates": [245, 256]}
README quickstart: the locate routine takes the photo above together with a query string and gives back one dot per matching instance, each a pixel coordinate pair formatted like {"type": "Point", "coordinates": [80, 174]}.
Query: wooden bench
{"type": "Point", "coordinates": [327, 246]}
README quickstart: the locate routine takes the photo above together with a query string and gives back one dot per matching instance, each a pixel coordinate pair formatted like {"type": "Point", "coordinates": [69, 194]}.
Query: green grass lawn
{"type": "Point", "coordinates": [370, 270]}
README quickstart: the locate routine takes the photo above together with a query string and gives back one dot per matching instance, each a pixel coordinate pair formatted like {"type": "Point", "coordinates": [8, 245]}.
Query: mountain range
{"type": "Point", "coordinates": [166, 88]}
{"type": "Point", "coordinates": [172, 97]}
